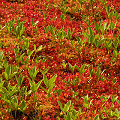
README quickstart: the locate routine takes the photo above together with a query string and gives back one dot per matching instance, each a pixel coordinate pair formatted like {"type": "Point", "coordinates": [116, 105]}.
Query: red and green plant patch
{"type": "Point", "coordinates": [59, 59]}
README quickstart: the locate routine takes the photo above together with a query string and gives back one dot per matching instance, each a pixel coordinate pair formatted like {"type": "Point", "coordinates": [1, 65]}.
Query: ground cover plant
{"type": "Point", "coordinates": [59, 59]}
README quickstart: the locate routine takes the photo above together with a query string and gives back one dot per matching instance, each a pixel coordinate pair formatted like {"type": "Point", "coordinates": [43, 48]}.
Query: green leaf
{"type": "Point", "coordinates": [97, 26]}
{"type": "Point", "coordinates": [79, 41]}
{"type": "Point", "coordinates": [117, 113]}
{"type": "Point", "coordinates": [86, 105]}
{"type": "Point", "coordinates": [58, 92]}
{"type": "Point", "coordinates": [27, 59]}
{"type": "Point", "coordinates": [39, 49]}
{"type": "Point", "coordinates": [60, 104]}
{"type": "Point", "coordinates": [34, 47]}
{"type": "Point", "coordinates": [5, 75]}
{"type": "Point", "coordinates": [30, 52]}
{"type": "Point", "coordinates": [50, 88]}
{"type": "Point", "coordinates": [118, 101]}
{"type": "Point", "coordinates": [67, 106]}
{"type": "Point", "coordinates": [92, 39]}
{"type": "Point", "coordinates": [30, 81]}
{"type": "Point", "coordinates": [108, 45]}
{"type": "Point", "coordinates": [61, 16]}
{"type": "Point", "coordinates": [22, 31]}
{"type": "Point", "coordinates": [45, 80]}
{"type": "Point", "coordinates": [46, 29]}
{"type": "Point", "coordinates": [21, 57]}
{"type": "Point", "coordinates": [1, 55]}
{"type": "Point", "coordinates": [113, 99]}
{"type": "Point", "coordinates": [38, 84]}
{"type": "Point", "coordinates": [35, 23]}
{"type": "Point", "coordinates": [27, 43]}
{"type": "Point", "coordinates": [30, 73]}
{"type": "Point", "coordinates": [32, 21]}
{"type": "Point", "coordinates": [44, 89]}
{"type": "Point", "coordinates": [7, 101]}
{"type": "Point", "coordinates": [22, 106]}
{"type": "Point", "coordinates": [1, 83]}
{"type": "Point", "coordinates": [108, 9]}
{"type": "Point", "coordinates": [52, 30]}
{"type": "Point", "coordinates": [111, 14]}
{"type": "Point", "coordinates": [82, 69]}
{"type": "Point", "coordinates": [11, 75]}
{"type": "Point", "coordinates": [8, 69]}
{"type": "Point", "coordinates": [11, 93]}
{"type": "Point", "coordinates": [15, 102]}
{"type": "Point", "coordinates": [8, 28]}
{"type": "Point", "coordinates": [98, 72]}
{"type": "Point", "coordinates": [101, 40]}
{"type": "Point", "coordinates": [68, 117]}
{"type": "Point", "coordinates": [52, 80]}
{"type": "Point", "coordinates": [90, 31]}
{"type": "Point", "coordinates": [72, 67]}
{"type": "Point", "coordinates": [69, 35]}
{"type": "Point", "coordinates": [45, 71]}
{"type": "Point", "coordinates": [91, 70]}
{"type": "Point", "coordinates": [104, 26]}
{"type": "Point", "coordinates": [111, 113]}
{"type": "Point", "coordinates": [115, 53]}
{"type": "Point", "coordinates": [96, 117]}
{"type": "Point", "coordinates": [112, 25]}
{"type": "Point", "coordinates": [118, 16]}
{"type": "Point", "coordinates": [20, 80]}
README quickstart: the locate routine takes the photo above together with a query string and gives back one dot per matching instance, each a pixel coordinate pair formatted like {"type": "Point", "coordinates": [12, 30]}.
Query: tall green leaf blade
{"type": "Point", "coordinates": [35, 23]}
{"type": "Point", "coordinates": [45, 80]}
{"type": "Point", "coordinates": [32, 21]}
{"type": "Point", "coordinates": [72, 67]}
{"type": "Point", "coordinates": [82, 69]}
{"type": "Point", "coordinates": [96, 26]}
{"type": "Point", "coordinates": [68, 117]}
{"type": "Point", "coordinates": [60, 104]}
{"type": "Point", "coordinates": [38, 84]}
{"type": "Point", "coordinates": [111, 14]}
{"type": "Point", "coordinates": [1, 55]}
{"type": "Point", "coordinates": [52, 80]}
{"type": "Point", "coordinates": [67, 106]}
{"type": "Point", "coordinates": [39, 49]}
{"type": "Point", "coordinates": [118, 101]}
{"type": "Point", "coordinates": [5, 75]}
{"type": "Point", "coordinates": [96, 117]}
{"type": "Point", "coordinates": [22, 31]}
{"type": "Point", "coordinates": [98, 71]}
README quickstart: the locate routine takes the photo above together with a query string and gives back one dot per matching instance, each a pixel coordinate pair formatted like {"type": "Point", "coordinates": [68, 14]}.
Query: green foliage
{"type": "Point", "coordinates": [91, 70]}
{"type": "Point", "coordinates": [98, 72]}
{"type": "Point", "coordinates": [34, 23]}
{"type": "Point", "coordinates": [9, 25]}
{"type": "Point", "coordinates": [20, 80]}
{"type": "Point", "coordinates": [104, 98]}
{"type": "Point", "coordinates": [33, 72]}
{"type": "Point", "coordinates": [86, 101]}
{"type": "Point", "coordinates": [49, 83]}
{"type": "Point", "coordinates": [58, 92]}
{"type": "Point", "coordinates": [96, 117]}
{"type": "Point", "coordinates": [69, 112]}
{"type": "Point", "coordinates": [17, 30]}
{"type": "Point", "coordinates": [108, 45]}
{"type": "Point", "coordinates": [66, 106]}
{"type": "Point", "coordinates": [34, 86]}
{"type": "Point", "coordinates": [72, 68]}
{"type": "Point", "coordinates": [9, 73]}
{"type": "Point", "coordinates": [81, 69]}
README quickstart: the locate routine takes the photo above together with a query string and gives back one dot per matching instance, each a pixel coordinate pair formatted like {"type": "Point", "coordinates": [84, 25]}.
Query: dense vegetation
{"type": "Point", "coordinates": [59, 59]}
